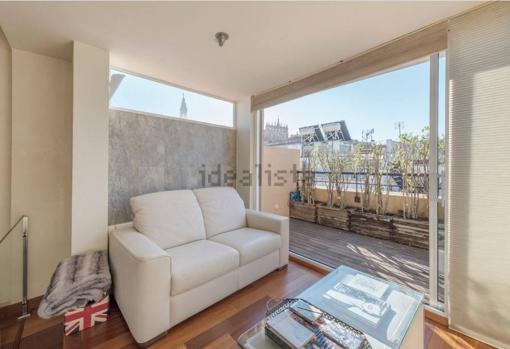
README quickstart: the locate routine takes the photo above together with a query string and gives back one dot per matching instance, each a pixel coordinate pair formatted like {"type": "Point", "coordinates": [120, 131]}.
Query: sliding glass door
{"type": "Point", "coordinates": [438, 181]}
{"type": "Point", "coordinates": [335, 159]}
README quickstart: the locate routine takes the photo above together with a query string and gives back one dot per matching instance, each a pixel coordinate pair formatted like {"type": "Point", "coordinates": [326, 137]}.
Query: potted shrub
{"type": "Point", "coordinates": [333, 213]}
{"type": "Point", "coordinates": [370, 162]}
{"type": "Point", "coordinates": [380, 179]}
{"type": "Point", "coordinates": [306, 209]}
{"type": "Point", "coordinates": [411, 159]}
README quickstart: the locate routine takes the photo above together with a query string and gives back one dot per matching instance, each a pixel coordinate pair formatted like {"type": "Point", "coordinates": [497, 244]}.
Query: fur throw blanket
{"type": "Point", "coordinates": [77, 281]}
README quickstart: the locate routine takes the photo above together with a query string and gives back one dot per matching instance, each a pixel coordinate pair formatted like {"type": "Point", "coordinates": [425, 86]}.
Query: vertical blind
{"type": "Point", "coordinates": [479, 190]}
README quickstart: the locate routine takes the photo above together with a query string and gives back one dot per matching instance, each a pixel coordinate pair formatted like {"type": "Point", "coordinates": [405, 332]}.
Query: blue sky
{"type": "Point", "coordinates": [378, 102]}
{"type": "Point", "coordinates": [146, 95]}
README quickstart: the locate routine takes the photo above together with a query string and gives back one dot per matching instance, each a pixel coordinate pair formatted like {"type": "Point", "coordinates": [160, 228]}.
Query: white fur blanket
{"type": "Point", "coordinates": [77, 281]}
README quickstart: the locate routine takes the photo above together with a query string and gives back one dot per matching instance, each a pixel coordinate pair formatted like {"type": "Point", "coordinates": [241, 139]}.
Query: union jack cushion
{"type": "Point", "coordinates": [81, 318]}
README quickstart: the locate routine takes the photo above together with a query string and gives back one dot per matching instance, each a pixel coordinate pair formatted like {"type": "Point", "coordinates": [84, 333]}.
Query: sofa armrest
{"type": "Point", "coordinates": [274, 223]}
{"type": "Point", "coordinates": [141, 282]}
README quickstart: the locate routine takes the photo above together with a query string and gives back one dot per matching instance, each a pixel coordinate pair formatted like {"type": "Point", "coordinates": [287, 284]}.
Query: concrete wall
{"type": "Point", "coordinates": [90, 148]}
{"type": "Point", "coordinates": [277, 179]}
{"type": "Point", "coordinates": [5, 166]}
{"type": "Point", "coordinates": [150, 153]}
{"type": "Point", "coordinates": [41, 160]}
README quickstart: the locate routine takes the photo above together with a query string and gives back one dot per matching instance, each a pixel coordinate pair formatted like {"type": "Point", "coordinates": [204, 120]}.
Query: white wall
{"type": "Point", "coordinates": [41, 161]}
{"type": "Point", "coordinates": [479, 188]}
{"type": "Point", "coordinates": [56, 169]}
{"type": "Point", "coordinates": [243, 129]}
{"type": "Point", "coordinates": [5, 165]}
{"type": "Point", "coordinates": [90, 149]}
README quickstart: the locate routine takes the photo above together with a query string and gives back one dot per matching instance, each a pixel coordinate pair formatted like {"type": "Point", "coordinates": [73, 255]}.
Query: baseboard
{"type": "Point", "coordinates": [318, 267]}
{"type": "Point", "coordinates": [14, 310]}
{"type": "Point", "coordinates": [437, 318]}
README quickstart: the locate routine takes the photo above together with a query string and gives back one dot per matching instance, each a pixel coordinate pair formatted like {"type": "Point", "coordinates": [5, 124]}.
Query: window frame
{"type": "Point", "coordinates": [434, 79]}
{"type": "Point", "coordinates": [174, 85]}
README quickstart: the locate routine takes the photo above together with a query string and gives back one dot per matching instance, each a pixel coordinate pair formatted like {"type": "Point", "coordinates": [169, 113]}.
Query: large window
{"type": "Point", "coordinates": [135, 93]}
{"type": "Point", "coordinates": [368, 184]}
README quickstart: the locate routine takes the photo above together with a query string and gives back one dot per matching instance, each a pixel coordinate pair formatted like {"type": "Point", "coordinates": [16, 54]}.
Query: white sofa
{"type": "Point", "coordinates": [187, 249]}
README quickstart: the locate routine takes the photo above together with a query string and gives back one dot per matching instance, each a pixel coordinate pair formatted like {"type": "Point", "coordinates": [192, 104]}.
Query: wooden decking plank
{"type": "Point", "coordinates": [387, 259]}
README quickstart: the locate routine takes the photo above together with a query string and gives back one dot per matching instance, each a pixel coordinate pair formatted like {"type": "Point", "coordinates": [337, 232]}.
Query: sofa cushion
{"type": "Point", "coordinates": [251, 243]}
{"type": "Point", "coordinates": [198, 262]}
{"type": "Point", "coordinates": [223, 209]}
{"type": "Point", "coordinates": [169, 218]}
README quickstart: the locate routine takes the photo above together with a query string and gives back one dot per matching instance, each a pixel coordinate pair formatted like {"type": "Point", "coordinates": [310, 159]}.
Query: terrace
{"type": "Point", "coordinates": [354, 215]}
{"type": "Point", "coordinates": [387, 259]}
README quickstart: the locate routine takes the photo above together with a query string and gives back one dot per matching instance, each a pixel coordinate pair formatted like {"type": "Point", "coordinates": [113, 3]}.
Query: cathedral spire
{"type": "Point", "coordinates": [183, 113]}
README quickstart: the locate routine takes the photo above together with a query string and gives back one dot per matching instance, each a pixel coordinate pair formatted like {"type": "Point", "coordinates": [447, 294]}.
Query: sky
{"type": "Point", "coordinates": [141, 94]}
{"type": "Point", "coordinates": [378, 102]}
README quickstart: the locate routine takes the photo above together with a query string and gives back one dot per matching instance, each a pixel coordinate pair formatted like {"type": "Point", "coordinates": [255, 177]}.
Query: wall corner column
{"type": "Point", "coordinates": [246, 159]}
{"type": "Point", "coordinates": [90, 149]}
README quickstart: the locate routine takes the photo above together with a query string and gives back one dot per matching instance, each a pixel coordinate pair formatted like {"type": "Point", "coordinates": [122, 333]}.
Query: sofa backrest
{"type": "Point", "coordinates": [222, 208]}
{"type": "Point", "coordinates": [169, 218]}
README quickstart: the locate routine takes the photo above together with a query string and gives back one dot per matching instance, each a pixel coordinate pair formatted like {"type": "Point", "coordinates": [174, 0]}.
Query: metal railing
{"type": "Point", "coordinates": [355, 180]}
{"type": "Point", "coordinates": [24, 226]}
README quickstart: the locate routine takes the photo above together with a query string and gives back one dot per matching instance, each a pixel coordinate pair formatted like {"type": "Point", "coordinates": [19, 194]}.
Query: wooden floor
{"type": "Point", "coordinates": [216, 327]}
{"type": "Point", "coordinates": [387, 259]}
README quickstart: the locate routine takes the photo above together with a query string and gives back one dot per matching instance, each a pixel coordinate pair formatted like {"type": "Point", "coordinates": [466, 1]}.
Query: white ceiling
{"type": "Point", "coordinates": [270, 43]}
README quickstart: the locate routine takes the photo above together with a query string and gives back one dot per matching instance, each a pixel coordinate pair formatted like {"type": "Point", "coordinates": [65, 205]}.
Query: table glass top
{"type": "Point", "coordinates": [382, 310]}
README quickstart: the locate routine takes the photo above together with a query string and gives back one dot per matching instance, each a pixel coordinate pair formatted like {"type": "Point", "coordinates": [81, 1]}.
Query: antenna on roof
{"type": "Point", "coordinates": [399, 126]}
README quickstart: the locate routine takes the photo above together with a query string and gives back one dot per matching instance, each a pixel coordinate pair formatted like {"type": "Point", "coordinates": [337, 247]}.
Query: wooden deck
{"type": "Point", "coordinates": [389, 260]}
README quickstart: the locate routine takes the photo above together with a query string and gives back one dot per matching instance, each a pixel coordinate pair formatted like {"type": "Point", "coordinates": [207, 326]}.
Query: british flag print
{"type": "Point", "coordinates": [82, 318]}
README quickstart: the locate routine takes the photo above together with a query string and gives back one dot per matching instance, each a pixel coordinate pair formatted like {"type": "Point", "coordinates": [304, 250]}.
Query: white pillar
{"type": "Point", "coordinates": [247, 153]}
{"type": "Point", "coordinates": [243, 126]}
{"type": "Point", "coordinates": [90, 149]}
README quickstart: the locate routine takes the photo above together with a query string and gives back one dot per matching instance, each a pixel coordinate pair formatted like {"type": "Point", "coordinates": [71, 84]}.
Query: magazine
{"type": "Point", "coordinates": [301, 325]}
{"type": "Point", "coordinates": [368, 285]}
{"type": "Point", "coordinates": [366, 307]}
{"type": "Point", "coordinates": [289, 329]}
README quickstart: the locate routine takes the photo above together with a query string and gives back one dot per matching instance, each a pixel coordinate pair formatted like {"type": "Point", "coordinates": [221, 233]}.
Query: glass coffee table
{"type": "Point", "coordinates": [390, 315]}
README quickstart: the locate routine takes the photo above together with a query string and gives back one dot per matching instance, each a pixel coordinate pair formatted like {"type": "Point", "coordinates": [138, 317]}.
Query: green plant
{"type": "Point", "coordinates": [308, 166]}
{"type": "Point", "coordinates": [362, 166]}
{"type": "Point", "coordinates": [327, 161]}
{"type": "Point", "coordinates": [341, 183]}
{"type": "Point", "coordinates": [412, 161]}
{"type": "Point", "coordinates": [380, 168]}
{"type": "Point", "coordinates": [333, 164]}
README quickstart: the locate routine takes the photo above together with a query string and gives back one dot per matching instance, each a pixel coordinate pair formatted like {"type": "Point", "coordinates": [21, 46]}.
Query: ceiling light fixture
{"type": "Point", "coordinates": [221, 37]}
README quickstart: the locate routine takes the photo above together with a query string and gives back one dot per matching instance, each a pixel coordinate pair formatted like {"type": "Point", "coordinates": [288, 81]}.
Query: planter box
{"type": "Point", "coordinates": [371, 224]}
{"type": "Point", "coordinates": [412, 232]}
{"type": "Point", "coordinates": [333, 217]}
{"type": "Point", "coordinates": [305, 212]}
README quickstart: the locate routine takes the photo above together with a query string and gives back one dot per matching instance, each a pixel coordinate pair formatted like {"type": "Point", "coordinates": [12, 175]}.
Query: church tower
{"type": "Point", "coordinates": [276, 132]}
{"type": "Point", "coordinates": [183, 113]}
